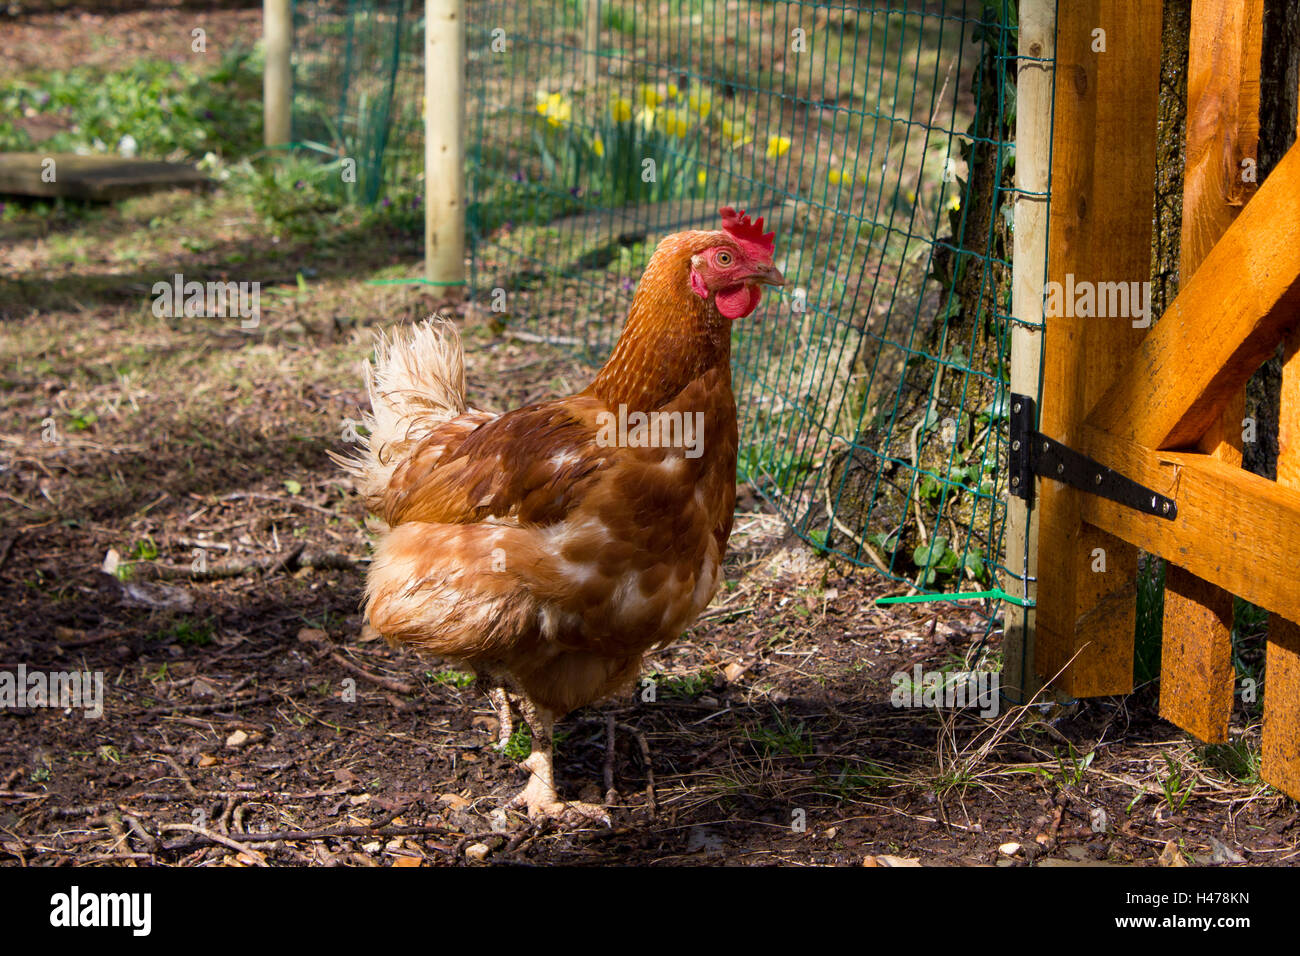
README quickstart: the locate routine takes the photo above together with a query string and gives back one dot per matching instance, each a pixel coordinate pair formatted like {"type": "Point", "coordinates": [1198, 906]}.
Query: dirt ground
{"type": "Point", "coordinates": [249, 720]}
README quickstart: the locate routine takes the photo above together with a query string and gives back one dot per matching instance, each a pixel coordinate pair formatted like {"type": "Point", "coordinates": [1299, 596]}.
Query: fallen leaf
{"type": "Point", "coordinates": [237, 739]}
{"type": "Point", "coordinates": [1222, 853]}
{"type": "Point", "coordinates": [407, 861]}
{"type": "Point", "coordinates": [735, 671]}
{"type": "Point", "coordinates": [477, 852]}
{"type": "Point", "coordinates": [1171, 855]}
{"type": "Point", "coordinates": [207, 760]}
{"type": "Point", "coordinates": [1009, 849]}
{"type": "Point", "coordinates": [885, 859]}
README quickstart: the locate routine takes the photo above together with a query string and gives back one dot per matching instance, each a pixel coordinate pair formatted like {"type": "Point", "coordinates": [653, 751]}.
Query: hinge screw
{"type": "Point", "coordinates": [1015, 479]}
{"type": "Point", "coordinates": [1165, 507]}
{"type": "Point", "coordinates": [1016, 408]}
{"type": "Point", "coordinates": [1015, 445]}
{"type": "Point", "coordinates": [1097, 480]}
{"type": "Point", "coordinates": [1060, 469]}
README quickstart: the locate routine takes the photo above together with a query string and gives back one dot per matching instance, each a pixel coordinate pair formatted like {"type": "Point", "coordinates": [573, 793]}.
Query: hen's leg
{"type": "Point", "coordinates": [503, 702]}
{"type": "Point", "coordinates": [539, 796]}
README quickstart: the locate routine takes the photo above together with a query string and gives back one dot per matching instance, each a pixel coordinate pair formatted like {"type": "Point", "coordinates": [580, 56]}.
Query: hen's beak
{"type": "Point", "coordinates": [768, 275]}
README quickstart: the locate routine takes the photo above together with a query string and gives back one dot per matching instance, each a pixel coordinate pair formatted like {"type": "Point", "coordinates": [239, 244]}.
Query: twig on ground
{"type": "Point", "coordinates": [610, 793]}
{"type": "Point", "coordinates": [292, 561]}
{"type": "Point", "coordinates": [396, 686]}
{"type": "Point", "coordinates": [254, 855]}
{"type": "Point", "coordinates": [297, 502]}
{"type": "Point", "coordinates": [644, 744]}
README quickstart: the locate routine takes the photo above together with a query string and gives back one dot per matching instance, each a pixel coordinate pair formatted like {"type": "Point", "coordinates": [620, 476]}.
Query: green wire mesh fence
{"type": "Point", "coordinates": [874, 138]}
{"type": "Point", "coordinates": [358, 94]}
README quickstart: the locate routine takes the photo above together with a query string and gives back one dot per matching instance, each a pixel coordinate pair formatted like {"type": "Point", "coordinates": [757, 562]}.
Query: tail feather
{"type": "Point", "coordinates": [416, 383]}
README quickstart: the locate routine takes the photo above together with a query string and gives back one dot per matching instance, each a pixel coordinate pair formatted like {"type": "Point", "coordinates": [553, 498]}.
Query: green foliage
{"type": "Point", "coordinates": [145, 549]}
{"type": "Point", "coordinates": [788, 737]}
{"type": "Point", "coordinates": [188, 632]}
{"type": "Point", "coordinates": [451, 678]}
{"type": "Point", "coordinates": [783, 470]}
{"type": "Point", "coordinates": [1176, 788]}
{"type": "Point", "coordinates": [1237, 758]}
{"type": "Point", "coordinates": [1150, 618]}
{"type": "Point", "coordinates": [687, 687]}
{"type": "Point", "coordinates": [171, 111]}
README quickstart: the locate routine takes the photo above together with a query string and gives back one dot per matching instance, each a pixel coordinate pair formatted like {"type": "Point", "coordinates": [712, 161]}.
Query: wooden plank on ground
{"type": "Point", "coordinates": [1196, 673]}
{"type": "Point", "coordinates": [1281, 747]}
{"type": "Point", "coordinates": [1103, 175]}
{"type": "Point", "coordinates": [1225, 321]}
{"type": "Point", "coordinates": [90, 177]}
{"type": "Point", "coordinates": [1235, 529]}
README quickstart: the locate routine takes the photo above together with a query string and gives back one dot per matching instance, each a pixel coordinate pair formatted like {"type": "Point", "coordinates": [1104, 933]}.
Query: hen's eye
{"type": "Point", "coordinates": [724, 258]}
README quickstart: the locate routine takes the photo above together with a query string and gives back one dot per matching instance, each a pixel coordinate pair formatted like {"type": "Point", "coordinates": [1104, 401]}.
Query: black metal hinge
{"type": "Point", "coordinates": [1033, 453]}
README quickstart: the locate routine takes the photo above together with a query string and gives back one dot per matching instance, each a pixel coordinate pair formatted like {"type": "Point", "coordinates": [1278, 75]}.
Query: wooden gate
{"type": "Point", "coordinates": [1164, 404]}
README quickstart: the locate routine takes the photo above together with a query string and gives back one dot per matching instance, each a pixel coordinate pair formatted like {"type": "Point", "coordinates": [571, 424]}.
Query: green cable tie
{"type": "Point", "coordinates": [959, 596]}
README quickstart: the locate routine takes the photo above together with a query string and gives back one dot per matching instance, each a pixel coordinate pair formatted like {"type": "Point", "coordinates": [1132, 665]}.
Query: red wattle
{"type": "Point", "coordinates": [739, 301]}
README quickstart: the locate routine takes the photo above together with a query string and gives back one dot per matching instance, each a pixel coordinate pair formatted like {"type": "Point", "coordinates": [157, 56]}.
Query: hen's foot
{"type": "Point", "coordinates": [544, 804]}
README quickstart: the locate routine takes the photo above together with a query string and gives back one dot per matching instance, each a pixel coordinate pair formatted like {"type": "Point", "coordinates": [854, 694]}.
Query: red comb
{"type": "Point", "coordinates": [750, 235]}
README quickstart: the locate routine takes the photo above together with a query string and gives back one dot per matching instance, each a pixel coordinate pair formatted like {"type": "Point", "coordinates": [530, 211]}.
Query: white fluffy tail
{"type": "Point", "coordinates": [417, 382]}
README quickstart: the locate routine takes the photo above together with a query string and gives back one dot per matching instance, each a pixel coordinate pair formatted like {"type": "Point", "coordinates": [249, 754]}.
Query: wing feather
{"type": "Point", "coordinates": [531, 466]}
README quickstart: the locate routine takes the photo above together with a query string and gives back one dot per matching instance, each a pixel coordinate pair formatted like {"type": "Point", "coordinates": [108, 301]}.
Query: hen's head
{"type": "Point", "coordinates": [735, 264]}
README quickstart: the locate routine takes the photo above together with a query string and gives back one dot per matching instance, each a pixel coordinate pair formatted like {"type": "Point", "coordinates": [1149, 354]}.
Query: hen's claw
{"type": "Point", "coordinates": [543, 803]}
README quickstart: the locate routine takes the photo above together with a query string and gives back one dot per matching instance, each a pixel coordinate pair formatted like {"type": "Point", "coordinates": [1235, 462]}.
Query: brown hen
{"type": "Point", "coordinates": [548, 548]}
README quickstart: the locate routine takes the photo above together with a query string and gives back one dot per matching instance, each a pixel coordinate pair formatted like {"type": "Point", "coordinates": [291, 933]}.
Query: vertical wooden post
{"type": "Point", "coordinates": [1196, 674]}
{"type": "Point", "coordinates": [1103, 194]}
{"type": "Point", "coordinates": [277, 76]}
{"type": "Point", "coordinates": [444, 141]}
{"type": "Point", "coordinates": [1281, 746]}
{"type": "Point", "coordinates": [590, 43]}
{"type": "Point", "coordinates": [1037, 42]}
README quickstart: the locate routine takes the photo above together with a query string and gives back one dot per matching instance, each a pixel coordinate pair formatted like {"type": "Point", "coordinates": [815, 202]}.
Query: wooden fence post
{"type": "Point", "coordinates": [1103, 191]}
{"type": "Point", "coordinates": [1223, 62]}
{"type": "Point", "coordinates": [1037, 47]}
{"type": "Point", "coordinates": [444, 141]}
{"type": "Point", "coordinates": [277, 75]}
{"type": "Point", "coordinates": [1281, 745]}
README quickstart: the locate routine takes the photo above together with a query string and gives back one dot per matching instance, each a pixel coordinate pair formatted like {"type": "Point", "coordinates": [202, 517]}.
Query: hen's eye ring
{"type": "Point", "coordinates": [724, 258]}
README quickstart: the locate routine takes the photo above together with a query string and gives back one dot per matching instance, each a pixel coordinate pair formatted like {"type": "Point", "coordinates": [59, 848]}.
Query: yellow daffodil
{"type": "Point", "coordinates": [672, 91]}
{"type": "Point", "coordinates": [675, 122]}
{"type": "Point", "coordinates": [646, 119]}
{"type": "Point", "coordinates": [598, 146]}
{"type": "Point", "coordinates": [777, 146]}
{"type": "Point", "coordinates": [555, 108]}
{"type": "Point", "coordinates": [701, 103]}
{"type": "Point", "coordinates": [735, 131]}
{"type": "Point", "coordinates": [702, 177]}
{"type": "Point", "coordinates": [621, 110]}
{"type": "Point", "coordinates": [955, 202]}
{"type": "Point", "coordinates": [835, 176]}
{"type": "Point", "coordinates": [649, 96]}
